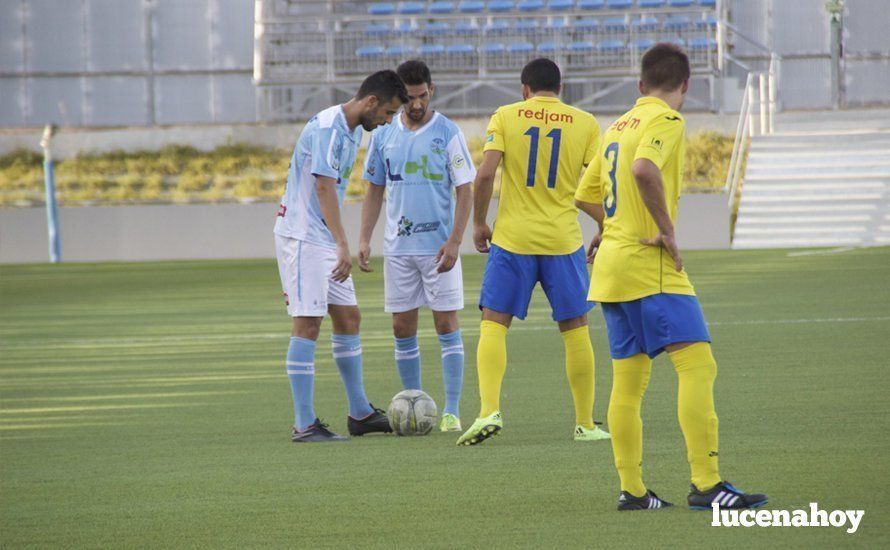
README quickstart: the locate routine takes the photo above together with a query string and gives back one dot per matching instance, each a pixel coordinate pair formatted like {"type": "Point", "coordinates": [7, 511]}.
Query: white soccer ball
{"type": "Point", "coordinates": [412, 412]}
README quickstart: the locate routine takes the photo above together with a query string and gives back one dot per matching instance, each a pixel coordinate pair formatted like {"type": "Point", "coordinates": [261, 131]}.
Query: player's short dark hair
{"type": "Point", "coordinates": [541, 75]}
{"type": "Point", "coordinates": [414, 73]}
{"type": "Point", "coordinates": [384, 85]}
{"type": "Point", "coordinates": [664, 67]}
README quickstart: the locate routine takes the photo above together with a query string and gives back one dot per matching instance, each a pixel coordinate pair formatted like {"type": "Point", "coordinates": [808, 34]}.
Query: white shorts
{"type": "Point", "coordinates": [305, 271]}
{"type": "Point", "coordinates": [412, 281]}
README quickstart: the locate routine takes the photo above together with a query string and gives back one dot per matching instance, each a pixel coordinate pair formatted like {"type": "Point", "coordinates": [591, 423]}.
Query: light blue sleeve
{"type": "Point", "coordinates": [375, 171]}
{"type": "Point", "coordinates": [327, 146]}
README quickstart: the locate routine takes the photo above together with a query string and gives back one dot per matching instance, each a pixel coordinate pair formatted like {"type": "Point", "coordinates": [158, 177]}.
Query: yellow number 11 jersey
{"type": "Point", "coordinates": [624, 269]}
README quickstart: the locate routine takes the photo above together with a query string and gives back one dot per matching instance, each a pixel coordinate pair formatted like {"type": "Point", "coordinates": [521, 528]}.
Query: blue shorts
{"type": "Point", "coordinates": [510, 278]}
{"type": "Point", "coordinates": [649, 324]}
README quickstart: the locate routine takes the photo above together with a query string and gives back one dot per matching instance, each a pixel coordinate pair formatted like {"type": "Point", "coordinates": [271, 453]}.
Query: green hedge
{"type": "Point", "coordinates": [237, 172]}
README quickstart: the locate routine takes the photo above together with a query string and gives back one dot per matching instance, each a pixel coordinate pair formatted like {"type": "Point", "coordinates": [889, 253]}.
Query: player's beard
{"type": "Point", "coordinates": [367, 122]}
{"type": "Point", "coordinates": [416, 115]}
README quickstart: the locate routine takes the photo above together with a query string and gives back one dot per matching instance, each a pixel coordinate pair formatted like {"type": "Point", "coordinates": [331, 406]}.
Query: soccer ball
{"type": "Point", "coordinates": [412, 412]}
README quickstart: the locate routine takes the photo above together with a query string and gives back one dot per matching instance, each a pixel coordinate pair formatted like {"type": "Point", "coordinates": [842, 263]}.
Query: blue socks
{"type": "Point", "coordinates": [408, 362]}
{"type": "Point", "coordinates": [347, 351]}
{"type": "Point", "coordinates": [452, 370]}
{"type": "Point", "coordinates": [301, 373]}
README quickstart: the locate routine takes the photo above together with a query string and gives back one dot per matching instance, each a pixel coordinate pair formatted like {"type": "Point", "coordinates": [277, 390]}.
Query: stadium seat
{"type": "Point", "coordinates": [557, 23]}
{"type": "Point", "coordinates": [676, 23]}
{"type": "Point", "coordinates": [497, 27]}
{"type": "Point", "coordinates": [465, 28]}
{"type": "Point", "coordinates": [530, 5]}
{"type": "Point", "coordinates": [548, 47]}
{"type": "Point", "coordinates": [650, 3]}
{"type": "Point", "coordinates": [708, 21]}
{"type": "Point", "coordinates": [399, 51]}
{"type": "Point", "coordinates": [431, 50]}
{"type": "Point", "coordinates": [404, 28]}
{"type": "Point", "coordinates": [369, 51]}
{"type": "Point", "coordinates": [560, 5]}
{"type": "Point", "coordinates": [610, 46]}
{"type": "Point", "coordinates": [615, 24]}
{"type": "Point", "coordinates": [471, 6]}
{"type": "Point", "coordinates": [591, 4]}
{"type": "Point", "coordinates": [520, 47]}
{"type": "Point", "coordinates": [645, 23]}
{"type": "Point", "coordinates": [377, 29]}
{"type": "Point", "coordinates": [381, 9]}
{"type": "Point", "coordinates": [619, 4]}
{"type": "Point", "coordinates": [674, 40]}
{"type": "Point", "coordinates": [527, 26]}
{"type": "Point", "coordinates": [642, 44]}
{"type": "Point", "coordinates": [498, 6]}
{"type": "Point", "coordinates": [707, 3]}
{"type": "Point", "coordinates": [679, 3]}
{"type": "Point", "coordinates": [410, 8]}
{"type": "Point", "coordinates": [437, 28]}
{"type": "Point", "coordinates": [701, 44]}
{"type": "Point", "coordinates": [587, 24]}
{"type": "Point", "coordinates": [460, 49]}
{"type": "Point", "coordinates": [493, 48]}
{"type": "Point", "coordinates": [581, 47]}
{"type": "Point", "coordinates": [442, 7]}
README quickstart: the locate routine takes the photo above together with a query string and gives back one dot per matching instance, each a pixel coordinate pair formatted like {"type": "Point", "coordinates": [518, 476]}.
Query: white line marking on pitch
{"type": "Point", "coordinates": [822, 252]}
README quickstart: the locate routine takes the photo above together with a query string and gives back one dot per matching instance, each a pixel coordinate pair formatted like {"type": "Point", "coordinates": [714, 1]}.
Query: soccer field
{"type": "Point", "coordinates": [147, 405]}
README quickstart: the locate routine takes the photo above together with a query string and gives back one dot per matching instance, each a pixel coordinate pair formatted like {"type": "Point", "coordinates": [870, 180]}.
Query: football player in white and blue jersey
{"type": "Point", "coordinates": [418, 160]}
{"type": "Point", "coordinates": [313, 254]}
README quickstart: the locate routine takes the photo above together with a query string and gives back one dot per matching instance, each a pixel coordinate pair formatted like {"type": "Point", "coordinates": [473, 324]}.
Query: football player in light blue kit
{"type": "Point", "coordinates": [313, 254]}
{"type": "Point", "coordinates": [418, 160]}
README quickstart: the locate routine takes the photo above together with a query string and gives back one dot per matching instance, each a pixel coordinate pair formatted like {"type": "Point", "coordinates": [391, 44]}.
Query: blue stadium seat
{"type": "Point", "coordinates": [431, 49]}
{"type": "Point", "coordinates": [493, 48]}
{"type": "Point", "coordinates": [381, 9]}
{"type": "Point", "coordinates": [460, 49]}
{"type": "Point", "coordinates": [707, 3]}
{"type": "Point", "coordinates": [642, 44]}
{"type": "Point", "coordinates": [676, 23]}
{"type": "Point", "coordinates": [527, 26]}
{"type": "Point", "coordinates": [645, 23]}
{"type": "Point", "coordinates": [547, 47]}
{"type": "Point", "coordinates": [377, 29]}
{"type": "Point", "coordinates": [437, 28]}
{"type": "Point", "coordinates": [588, 24]}
{"type": "Point", "coordinates": [399, 51]}
{"type": "Point", "coordinates": [442, 7]}
{"type": "Point", "coordinates": [530, 5]}
{"type": "Point", "coordinates": [702, 44]}
{"type": "Point", "coordinates": [403, 28]}
{"type": "Point", "coordinates": [557, 23]}
{"type": "Point", "coordinates": [591, 4]}
{"type": "Point", "coordinates": [650, 3]}
{"type": "Point", "coordinates": [560, 5]}
{"type": "Point", "coordinates": [520, 47]}
{"type": "Point", "coordinates": [410, 8]}
{"type": "Point", "coordinates": [619, 4]}
{"type": "Point", "coordinates": [610, 46]}
{"type": "Point", "coordinates": [674, 40]}
{"type": "Point", "coordinates": [581, 47]}
{"type": "Point", "coordinates": [679, 3]}
{"type": "Point", "coordinates": [497, 27]}
{"type": "Point", "coordinates": [500, 5]}
{"type": "Point", "coordinates": [465, 28]}
{"type": "Point", "coordinates": [615, 24]}
{"type": "Point", "coordinates": [471, 6]}
{"type": "Point", "coordinates": [369, 51]}
{"type": "Point", "coordinates": [708, 21]}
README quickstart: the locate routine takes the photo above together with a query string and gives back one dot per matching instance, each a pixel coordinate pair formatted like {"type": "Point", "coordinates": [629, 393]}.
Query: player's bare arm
{"type": "Point", "coordinates": [648, 179]}
{"type": "Point", "coordinates": [370, 213]}
{"type": "Point", "coordinates": [482, 190]}
{"type": "Point", "coordinates": [450, 251]}
{"type": "Point", "coordinates": [596, 212]}
{"type": "Point", "coordinates": [330, 209]}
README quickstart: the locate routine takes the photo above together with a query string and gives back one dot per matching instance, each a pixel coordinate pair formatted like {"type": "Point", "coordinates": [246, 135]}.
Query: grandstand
{"type": "Point", "coordinates": [475, 48]}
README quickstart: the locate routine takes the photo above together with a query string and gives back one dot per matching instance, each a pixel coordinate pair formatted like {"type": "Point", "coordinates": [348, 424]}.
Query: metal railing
{"type": "Point", "coordinates": [763, 96]}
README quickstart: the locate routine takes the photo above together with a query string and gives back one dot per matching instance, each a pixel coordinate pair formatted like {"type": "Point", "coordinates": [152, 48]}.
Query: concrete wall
{"type": "Point", "coordinates": [137, 233]}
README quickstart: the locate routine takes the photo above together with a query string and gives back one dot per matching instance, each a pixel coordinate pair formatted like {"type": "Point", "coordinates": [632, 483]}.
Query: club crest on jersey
{"type": "Point", "coordinates": [656, 143]}
{"type": "Point", "coordinates": [490, 138]}
{"type": "Point", "coordinates": [438, 146]}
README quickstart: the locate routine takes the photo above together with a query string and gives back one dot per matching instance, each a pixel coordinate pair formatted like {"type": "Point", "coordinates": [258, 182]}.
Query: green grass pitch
{"type": "Point", "coordinates": [146, 405]}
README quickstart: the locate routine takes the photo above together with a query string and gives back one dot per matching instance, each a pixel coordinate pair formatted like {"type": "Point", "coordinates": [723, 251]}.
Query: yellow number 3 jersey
{"type": "Point", "coordinates": [624, 269]}
{"type": "Point", "coordinates": [546, 145]}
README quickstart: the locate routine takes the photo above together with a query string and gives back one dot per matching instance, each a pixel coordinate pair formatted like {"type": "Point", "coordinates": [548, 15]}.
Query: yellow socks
{"type": "Point", "coordinates": [491, 363]}
{"type": "Point", "coordinates": [696, 370]}
{"type": "Point", "coordinates": [580, 372]}
{"type": "Point", "coordinates": [629, 381]}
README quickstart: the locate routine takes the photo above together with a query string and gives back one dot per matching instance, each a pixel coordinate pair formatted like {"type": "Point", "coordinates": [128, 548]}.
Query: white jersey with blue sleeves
{"type": "Point", "coordinates": [327, 148]}
{"type": "Point", "coordinates": [419, 168]}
